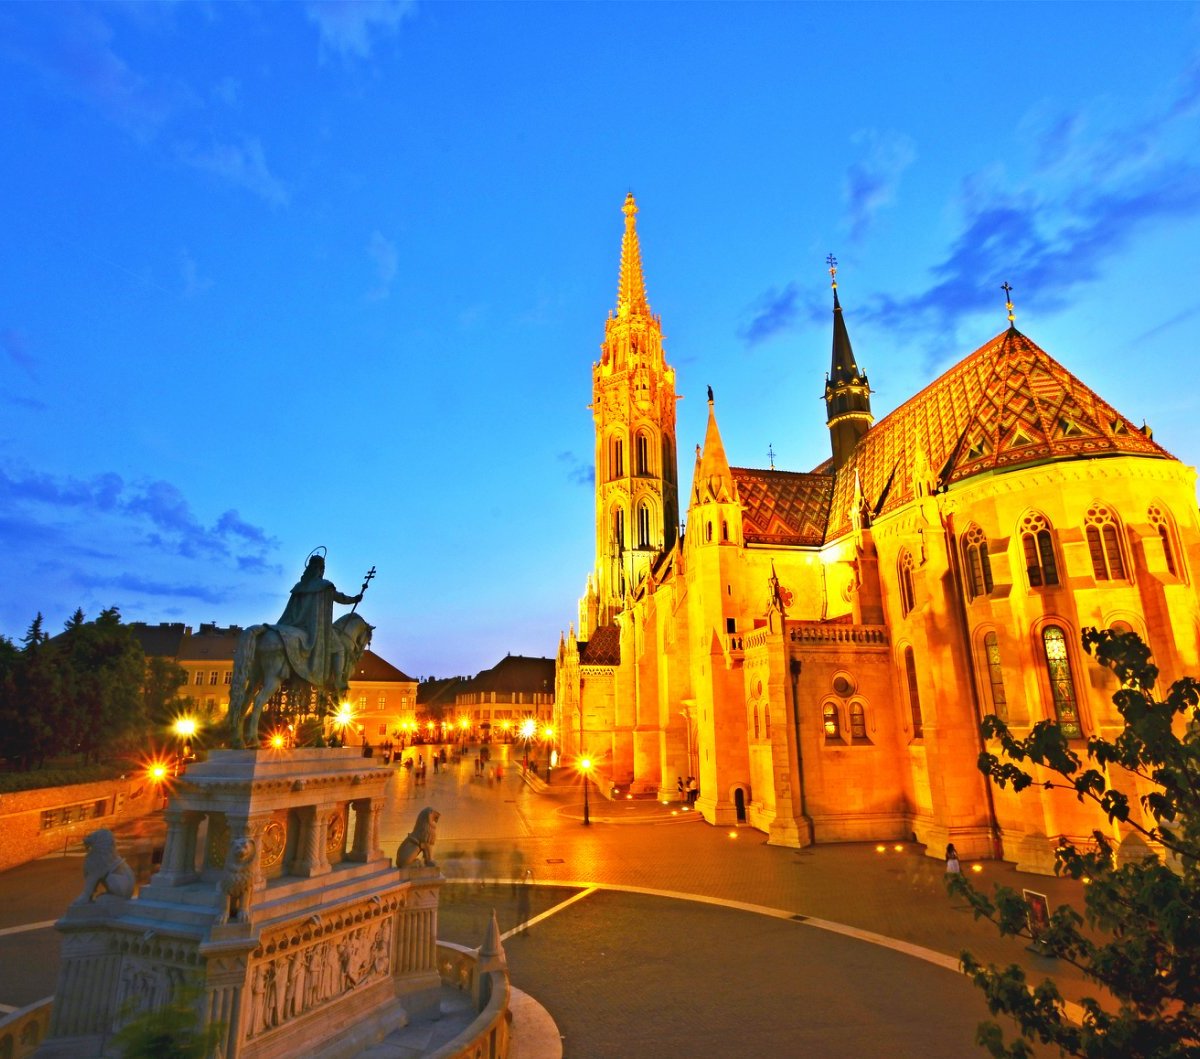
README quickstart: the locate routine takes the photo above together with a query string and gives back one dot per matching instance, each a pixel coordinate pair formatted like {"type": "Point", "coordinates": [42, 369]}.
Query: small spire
{"type": "Point", "coordinates": [631, 288]}
{"type": "Point", "coordinates": [771, 454]}
{"type": "Point", "coordinates": [710, 395]}
{"type": "Point", "coordinates": [1008, 303]}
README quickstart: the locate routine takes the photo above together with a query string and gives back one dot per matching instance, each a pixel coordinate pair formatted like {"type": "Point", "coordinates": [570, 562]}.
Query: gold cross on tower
{"type": "Point", "coordinates": [1008, 302]}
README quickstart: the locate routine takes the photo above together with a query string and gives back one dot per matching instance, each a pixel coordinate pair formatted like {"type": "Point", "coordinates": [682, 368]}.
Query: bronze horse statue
{"type": "Point", "coordinates": [260, 663]}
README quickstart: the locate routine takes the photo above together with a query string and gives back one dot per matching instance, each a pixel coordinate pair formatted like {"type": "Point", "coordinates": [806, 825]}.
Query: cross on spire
{"type": "Point", "coordinates": [1008, 302]}
{"type": "Point", "coordinates": [771, 454]}
{"type": "Point", "coordinates": [831, 261]}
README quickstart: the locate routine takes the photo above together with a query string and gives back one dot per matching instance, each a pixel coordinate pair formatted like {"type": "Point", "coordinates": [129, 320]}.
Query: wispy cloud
{"type": "Point", "coordinates": [350, 29]}
{"type": "Point", "coordinates": [776, 310]}
{"type": "Point", "coordinates": [243, 164]}
{"type": "Point", "coordinates": [16, 348]}
{"type": "Point", "coordinates": [870, 183]}
{"type": "Point", "coordinates": [382, 253]}
{"type": "Point", "coordinates": [579, 472]}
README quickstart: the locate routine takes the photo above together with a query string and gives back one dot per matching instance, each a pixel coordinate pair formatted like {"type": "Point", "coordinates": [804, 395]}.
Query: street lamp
{"type": "Point", "coordinates": [344, 719]}
{"type": "Point", "coordinates": [185, 730]}
{"type": "Point", "coordinates": [585, 766]}
{"type": "Point", "coordinates": [528, 730]}
{"type": "Point", "coordinates": [463, 725]}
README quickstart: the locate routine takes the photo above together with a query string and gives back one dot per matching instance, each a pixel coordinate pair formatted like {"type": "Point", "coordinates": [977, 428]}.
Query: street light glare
{"type": "Point", "coordinates": [185, 727]}
{"type": "Point", "coordinates": [585, 764]}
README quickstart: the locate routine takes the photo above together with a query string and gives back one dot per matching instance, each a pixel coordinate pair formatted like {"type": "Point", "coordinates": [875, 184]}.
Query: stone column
{"type": "Point", "coordinates": [363, 821]}
{"type": "Point", "coordinates": [179, 850]}
{"type": "Point", "coordinates": [310, 857]}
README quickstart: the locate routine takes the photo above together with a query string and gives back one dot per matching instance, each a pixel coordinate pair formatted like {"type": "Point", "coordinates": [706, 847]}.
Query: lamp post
{"type": "Point", "coordinates": [585, 766]}
{"type": "Point", "coordinates": [185, 729]}
{"type": "Point", "coordinates": [528, 730]}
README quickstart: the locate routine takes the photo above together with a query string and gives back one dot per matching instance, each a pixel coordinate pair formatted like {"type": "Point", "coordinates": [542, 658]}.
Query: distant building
{"type": "Point", "coordinates": [498, 700]}
{"type": "Point", "coordinates": [818, 648]}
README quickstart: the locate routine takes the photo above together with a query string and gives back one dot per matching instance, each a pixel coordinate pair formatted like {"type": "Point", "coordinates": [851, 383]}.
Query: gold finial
{"type": "Point", "coordinates": [1008, 302]}
{"type": "Point", "coordinates": [630, 207]}
{"type": "Point", "coordinates": [831, 261]}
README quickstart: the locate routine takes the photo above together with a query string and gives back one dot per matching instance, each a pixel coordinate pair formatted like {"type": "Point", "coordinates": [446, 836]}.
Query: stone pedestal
{"type": "Point", "coordinates": [274, 907]}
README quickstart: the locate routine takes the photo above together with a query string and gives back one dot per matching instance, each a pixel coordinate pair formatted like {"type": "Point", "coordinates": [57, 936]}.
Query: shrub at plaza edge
{"type": "Point", "coordinates": [1138, 935]}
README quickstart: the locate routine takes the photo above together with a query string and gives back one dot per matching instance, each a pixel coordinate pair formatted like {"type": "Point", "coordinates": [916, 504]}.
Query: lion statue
{"type": "Point", "coordinates": [420, 842]}
{"type": "Point", "coordinates": [235, 885]}
{"type": "Point", "coordinates": [104, 866]}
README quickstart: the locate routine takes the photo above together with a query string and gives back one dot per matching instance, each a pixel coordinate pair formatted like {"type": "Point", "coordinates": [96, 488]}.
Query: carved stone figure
{"type": "Point", "coordinates": [306, 646]}
{"type": "Point", "coordinates": [237, 882]}
{"type": "Point", "coordinates": [421, 841]}
{"type": "Point", "coordinates": [104, 866]}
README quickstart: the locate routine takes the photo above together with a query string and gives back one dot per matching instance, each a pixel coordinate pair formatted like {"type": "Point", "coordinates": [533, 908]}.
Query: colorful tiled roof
{"type": "Point", "coordinates": [603, 649]}
{"type": "Point", "coordinates": [783, 507]}
{"type": "Point", "coordinates": [1008, 404]}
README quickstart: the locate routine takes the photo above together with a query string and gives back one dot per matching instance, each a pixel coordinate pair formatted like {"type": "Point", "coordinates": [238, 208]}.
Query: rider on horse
{"type": "Point", "coordinates": [314, 648]}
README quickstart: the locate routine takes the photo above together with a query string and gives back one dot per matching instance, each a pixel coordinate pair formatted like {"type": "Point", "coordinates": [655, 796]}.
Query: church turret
{"type": "Point", "coordinates": [847, 392]}
{"type": "Point", "coordinates": [715, 507]}
{"type": "Point", "coordinates": [633, 406]}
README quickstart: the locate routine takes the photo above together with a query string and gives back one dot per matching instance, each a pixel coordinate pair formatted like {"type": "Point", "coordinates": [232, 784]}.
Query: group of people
{"type": "Point", "coordinates": [689, 790]}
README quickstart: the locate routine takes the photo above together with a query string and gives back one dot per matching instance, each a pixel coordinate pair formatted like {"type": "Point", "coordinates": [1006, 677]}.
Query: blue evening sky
{"type": "Point", "coordinates": [283, 275]}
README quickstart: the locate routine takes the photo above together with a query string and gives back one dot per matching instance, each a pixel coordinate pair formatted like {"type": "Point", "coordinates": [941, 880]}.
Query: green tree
{"type": "Point", "coordinates": [173, 1031]}
{"type": "Point", "coordinates": [30, 700]}
{"type": "Point", "coordinates": [103, 669]}
{"type": "Point", "coordinates": [162, 702]}
{"type": "Point", "coordinates": [1138, 937]}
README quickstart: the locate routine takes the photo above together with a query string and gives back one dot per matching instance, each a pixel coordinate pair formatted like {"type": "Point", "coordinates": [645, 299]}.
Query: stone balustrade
{"type": "Point", "coordinates": [24, 1029]}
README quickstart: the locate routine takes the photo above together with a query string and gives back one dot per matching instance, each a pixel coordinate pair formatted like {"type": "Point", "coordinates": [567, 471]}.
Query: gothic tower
{"type": "Point", "coordinates": [847, 393]}
{"type": "Point", "coordinates": [633, 406]}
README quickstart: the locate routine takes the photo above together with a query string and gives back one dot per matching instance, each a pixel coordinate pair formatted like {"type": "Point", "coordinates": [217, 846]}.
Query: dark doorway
{"type": "Point", "coordinates": [739, 802]}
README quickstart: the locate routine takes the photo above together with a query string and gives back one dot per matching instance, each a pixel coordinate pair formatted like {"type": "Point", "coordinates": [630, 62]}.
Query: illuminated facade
{"type": "Point", "coordinates": [818, 648]}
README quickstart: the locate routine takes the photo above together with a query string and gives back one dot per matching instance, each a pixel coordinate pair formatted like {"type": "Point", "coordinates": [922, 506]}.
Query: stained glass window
{"type": "Point", "coordinates": [1062, 683]}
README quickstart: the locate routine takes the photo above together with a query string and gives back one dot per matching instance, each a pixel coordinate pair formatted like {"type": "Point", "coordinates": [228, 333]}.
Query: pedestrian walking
{"type": "Point", "coordinates": [679, 788]}
{"type": "Point", "coordinates": [693, 791]}
{"type": "Point", "coordinates": [952, 865]}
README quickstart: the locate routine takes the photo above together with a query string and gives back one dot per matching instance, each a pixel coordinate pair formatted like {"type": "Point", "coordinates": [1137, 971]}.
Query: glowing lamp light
{"type": "Point", "coordinates": [898, 848]}
{"type": "Point", "coordinates": [528, 728]}
{"type": "Point", "coordinates": [585, 764]}
{"type": "Point", "coordinates": [733, 834]}
{"type": "Point", "coordinates": [881, 849]}
{"type": "Point", "coordinates": [278, 741]}
{"type": "Point", "coordinates": [185, 727]}
{"type": "Point", "coordinates": [464, 724]}
{"type": "Point", "coordinates": [344, 716]}
{"type": "Point", "coordinates": [156, 771]}
{"type": "Point", "coordinates": [976, 868]}
{"type": "Point", "coordinates": [548, 732]}
{"type": "Point", "coordinates": [674, 812]}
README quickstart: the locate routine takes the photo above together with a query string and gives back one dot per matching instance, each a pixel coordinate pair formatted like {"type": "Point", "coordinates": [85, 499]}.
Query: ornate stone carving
{"type": "Point", "coordinates": [420, 842]}
{"type": "Point", "coordinates": [103, 866]}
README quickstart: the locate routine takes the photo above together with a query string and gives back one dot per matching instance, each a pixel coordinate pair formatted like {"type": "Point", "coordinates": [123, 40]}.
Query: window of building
{"type": "Point", "coordinates": [619, 528]}
{"type": "Point", "coordinates": [643, 454]}
{"type": "Point", "coordinates": [1104, 544]}
{"type": "Point", "coordinates": [362, 703]}
{"type": "Point", "coordinates": [1062, 683]}
{"type": "Point", "coordinates": [1164, 529]}
{"type": "Point", "coordinates": [212, 679]}
{"type": "Point", "coordinates": [708, 531]}
{"type": "Point", "coordinates": [991, 650]}
{"type": "Point", "coordinates": [731, 624]}
{"type": "Point", "coordinates": [724, 530]}
{"type": "Point", "coordinates": [767, 722]}
{"type": "Point", "coordinates": [383, 729]}
{"type": "Point", "coordinates": [382, 703]}
{"type": "Point", "coordinates": [228, 677]}
{"type": "Point", "coordinates": [914, 695]}
{"type": "Point", "coordinates": [618, 458]}
{"type": "Point", "coordinates": [756, 720]}
{"type": "Point", "coordinates": [858, 721]}
{"type": "Point", "coordinates": [199, 677]}
{"type": "Point", "coordinates": [830, 716]}
{"type": "Point", "coordinates": [1037, 544]}
{"type": "Point", "coordinates": [904, 575]}
{"type": "Point", "coordinates": [643, 526]}
{"type": "Point", "coordinates": [976, 563]}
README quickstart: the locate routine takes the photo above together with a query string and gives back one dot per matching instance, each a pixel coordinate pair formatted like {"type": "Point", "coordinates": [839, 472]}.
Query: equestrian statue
{"type": "Point", "coordinates": [305, 647]}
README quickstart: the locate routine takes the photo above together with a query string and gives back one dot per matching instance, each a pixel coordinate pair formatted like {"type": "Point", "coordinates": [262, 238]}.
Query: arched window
{"type": "Point", "coordinates": [1165, 531]}
{"type": "Point", "coordinates": [991, 650]}
{"type": "Point", "coordinates": [724, 530]}
{"type": "Point", "coordinates": [830, 717]}
{"type": "Point", "coordinates": [708, 531]}
{"type": "Point", "coordinates": [914, 695]}
{"type": "Point", "coordinates": [767, 721]}
{"type": "Point", "coordinates": [1104, 544]}
{"type": "Point", "coordinates": [618, 458]}
{"type": "Point", "coordinates": [904, 575]}
{"type": "Point", "coordinates": [858, 721]}
{"type": "Point", "coordinates": [976, 563]}
{"type": "Point", "coordinates": [756, 720]}
{"type": "Point", "coordinates": [1062, 683]}
{"type": "Point", "coordinates": [619, 528]}
{"type": "Point", "coordinates": [643, 526]}
{"type": "Point", "coordinates": [1038, 547]}
{"type": "Point", "coordinates": [643, 454]}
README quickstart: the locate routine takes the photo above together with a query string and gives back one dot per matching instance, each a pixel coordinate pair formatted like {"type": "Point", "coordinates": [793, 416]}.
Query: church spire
{"type": "Point", "coordinates": [631, 286]}
{"type": "Point", "coordinates": [714, 480]}
{"type": "Point", "coordinates": [847, 392]}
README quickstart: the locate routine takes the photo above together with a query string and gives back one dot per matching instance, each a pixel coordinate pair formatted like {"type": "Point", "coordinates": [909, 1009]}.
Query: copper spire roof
{"type": "Point", "coordinates": [631, 287]}
{"type": "Point", "coordinates": [1008, 404]}
{"type": "Point", "coordinates": [712, 479]}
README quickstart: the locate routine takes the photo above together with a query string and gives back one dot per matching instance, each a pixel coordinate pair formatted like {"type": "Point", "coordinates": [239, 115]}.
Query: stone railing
{"type": "Point", "coordinates": [23, 1030]}
{"type": "Point", "coordinates": [756, 638]}
{"type": "Point", "coordinates": [490, 1034]}
{"type": "Point", "coordinates": [818, 632]}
